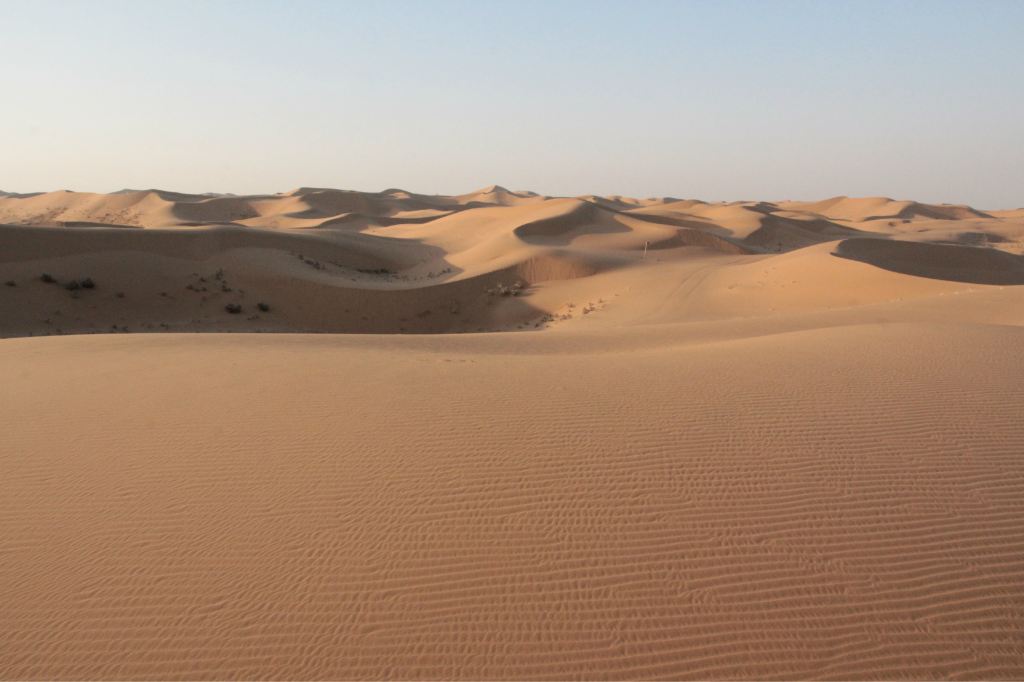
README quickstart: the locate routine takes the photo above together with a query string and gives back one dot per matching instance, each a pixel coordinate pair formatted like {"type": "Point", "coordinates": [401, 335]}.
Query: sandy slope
{"type": "Point", "coordinates": [786, 442]}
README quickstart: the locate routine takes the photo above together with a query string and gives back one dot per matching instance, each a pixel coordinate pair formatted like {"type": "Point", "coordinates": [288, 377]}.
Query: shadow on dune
{"type": "Point", "coordinates": [214, 210]}
{"type": "Point", "coordinates": [86, 223]}
{"type": "Point", "coordinates": [377, 221]}
{"type": "Point", "coordinates": [560, 229]}
{"type": "Point", "coordinates": [776, 233]}
{"type": "Point", "coordinates": [941, 212]}
{"type": "Point", "coordinates": [779, 233]}
{"type": "Point", "coordinates": [673, 220]}
{"type": "Point", "coordinates": [708, 240]}
{"type": "Point", "coordinates": [357, 251]}
{"type": "Point", "coordinates": [183, 280]}
{"type": "Point", "coordinates": [936, 261]}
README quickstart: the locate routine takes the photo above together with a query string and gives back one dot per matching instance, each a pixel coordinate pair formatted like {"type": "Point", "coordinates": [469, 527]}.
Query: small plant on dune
{"type": "Point", "coordinates": [432, 274]}
{"type": "Point", "coordinates": [11, 283]}
{"type": "Point", "coordinates": [87, 283]}
{"type": "Point", "coordinates": [514, 289]}
{"type": "Point", "coordinates": [263, 307]}
{"type": "Point", "coordinates": [48, 278]}
{"type": "Point", "coordinates": [233, 308]}
{"type": "Point", "coordinates": [72, 285]}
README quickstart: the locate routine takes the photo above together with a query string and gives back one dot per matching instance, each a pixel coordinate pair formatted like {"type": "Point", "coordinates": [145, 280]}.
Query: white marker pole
{"type": "Point", "coordinates": [645, 249]}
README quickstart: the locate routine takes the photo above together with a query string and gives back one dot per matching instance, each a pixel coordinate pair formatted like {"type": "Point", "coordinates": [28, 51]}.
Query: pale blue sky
{"type": "Point", "coordinates": [716, 100]}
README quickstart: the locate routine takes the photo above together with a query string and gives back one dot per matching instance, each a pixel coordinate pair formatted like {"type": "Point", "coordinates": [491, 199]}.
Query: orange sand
{"type": "Point", "coordinates": [788, 442]}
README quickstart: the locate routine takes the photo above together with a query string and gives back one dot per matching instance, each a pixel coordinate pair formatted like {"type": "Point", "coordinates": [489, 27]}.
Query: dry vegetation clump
{"type": "Point", "coordinates": [441, 273]}
{"type": "Point", "coordinates": [514, 289]}
{"type": "Point", "coordinates": [233, 308]}
{"type": "Point", "coordinates": [315, 264]}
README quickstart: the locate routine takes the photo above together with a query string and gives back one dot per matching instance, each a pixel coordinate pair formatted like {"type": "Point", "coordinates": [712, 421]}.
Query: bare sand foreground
{"type": "Point", "coordinates": [785, 442]}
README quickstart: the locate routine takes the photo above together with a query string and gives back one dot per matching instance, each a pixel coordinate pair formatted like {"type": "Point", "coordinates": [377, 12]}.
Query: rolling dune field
{"type": "Point", "coordinates": [508, 436]}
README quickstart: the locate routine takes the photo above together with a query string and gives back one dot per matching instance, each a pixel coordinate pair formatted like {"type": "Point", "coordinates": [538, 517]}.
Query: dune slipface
{"type": "Point", "coordinates": [590, 437]}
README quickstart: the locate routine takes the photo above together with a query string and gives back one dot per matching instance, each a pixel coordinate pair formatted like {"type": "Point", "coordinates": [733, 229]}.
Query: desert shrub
{"type": "Point", "coordinates": [48, 278]}
{"type": "Point", "coordinates": [72, 285]}
{"type": "Point", "coordinates": [11, 283]}
{"type": "Point", "coordinates": [87, 283]}
{"type": "Point", "coordinates": [514, 289]}
{"type": "Point", "coordinates": [263, 307]}
{"type": "Point", "coordinates": [233, 308]}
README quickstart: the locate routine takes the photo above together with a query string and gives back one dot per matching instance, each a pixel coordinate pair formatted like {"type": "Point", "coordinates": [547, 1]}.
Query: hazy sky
{"type": "Point", "coordinates": [716, 100]}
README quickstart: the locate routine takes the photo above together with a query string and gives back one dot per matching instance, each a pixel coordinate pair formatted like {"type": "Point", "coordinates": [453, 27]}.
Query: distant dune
{"type": "Point", "coordinates": [508, 436]}
{"type": "Point", "coordinates": [325, 260]}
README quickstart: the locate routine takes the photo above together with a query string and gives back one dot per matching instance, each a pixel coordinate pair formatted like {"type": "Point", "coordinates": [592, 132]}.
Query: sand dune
{"type": "Point", "coordinates": [394, 261]}
{"type": "Point", "coordinates": [876, 208]}
{"type": "Point", "coordinates": [557, 437]}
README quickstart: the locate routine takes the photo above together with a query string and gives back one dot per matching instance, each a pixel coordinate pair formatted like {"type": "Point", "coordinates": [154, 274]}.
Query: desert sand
{"type": "Point", "coordinates": [504, 435]}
